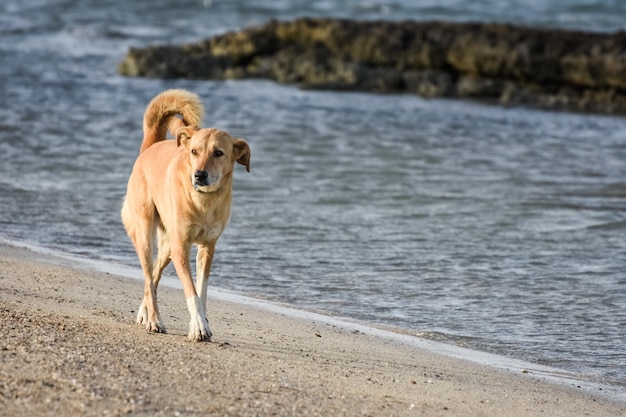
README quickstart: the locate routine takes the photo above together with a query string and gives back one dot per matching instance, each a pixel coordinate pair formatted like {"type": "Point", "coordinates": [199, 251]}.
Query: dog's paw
{"type": "Point", "coordinates": [155, 327]}
{"type": "Point", "coordinates": [142, 315]}
{"type": "Point", "coordinates": [198, 326]}
{"type": "Point", "coordinates": [199, 331]}
{"type": "Point", "coordinates": [151, 326]}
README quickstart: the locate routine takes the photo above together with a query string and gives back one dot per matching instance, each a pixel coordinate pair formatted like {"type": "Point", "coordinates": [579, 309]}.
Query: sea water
{"type": "Point", "coordinates": [501, 229]}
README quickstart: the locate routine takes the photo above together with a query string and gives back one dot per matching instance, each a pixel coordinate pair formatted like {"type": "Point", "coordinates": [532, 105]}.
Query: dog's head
{"type": "Point", "coordinates": [212, 154]}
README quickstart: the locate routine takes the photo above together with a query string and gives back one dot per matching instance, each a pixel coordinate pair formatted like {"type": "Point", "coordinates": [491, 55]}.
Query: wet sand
{"type": "Point", "coordinates": [70, 347]}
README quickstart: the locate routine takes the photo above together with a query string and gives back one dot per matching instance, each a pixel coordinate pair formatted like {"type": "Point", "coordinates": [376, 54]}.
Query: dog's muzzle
{"type": "Point", "coordinates": [200, 179]}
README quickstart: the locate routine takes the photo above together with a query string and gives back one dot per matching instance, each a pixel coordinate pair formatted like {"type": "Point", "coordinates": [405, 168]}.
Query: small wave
{"type": "Point", "coordinates": [616, 225]}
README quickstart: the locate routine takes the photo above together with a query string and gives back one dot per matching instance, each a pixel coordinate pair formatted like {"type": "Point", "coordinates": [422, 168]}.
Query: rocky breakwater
{"type": "Point", "coordinates": [500, 63]}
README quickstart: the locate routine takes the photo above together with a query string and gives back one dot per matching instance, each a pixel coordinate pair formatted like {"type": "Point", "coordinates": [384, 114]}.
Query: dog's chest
{"type": "Point", "coordinates": [213, 232]}
{"type": "Point", "coordinates": [209, 219]}
{"type": "Point", "coordinates": [208, 232]}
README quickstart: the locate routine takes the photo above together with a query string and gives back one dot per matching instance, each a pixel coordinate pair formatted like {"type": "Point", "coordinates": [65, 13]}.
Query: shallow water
{"type": "Point", "coordinates": [499, 229]}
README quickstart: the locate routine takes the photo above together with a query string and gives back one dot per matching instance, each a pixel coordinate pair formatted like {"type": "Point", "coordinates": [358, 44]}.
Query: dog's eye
{"type": "Point", "coordinates": [217, 153]}
{"type": "Point", "coordinates": [194, 152]}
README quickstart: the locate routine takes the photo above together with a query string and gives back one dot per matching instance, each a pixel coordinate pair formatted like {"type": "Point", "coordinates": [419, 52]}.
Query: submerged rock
{"type": "Point", "coordinates": [512, 65]}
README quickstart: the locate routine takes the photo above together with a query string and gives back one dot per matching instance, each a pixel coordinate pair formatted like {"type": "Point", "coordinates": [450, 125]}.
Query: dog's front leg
{"type": "Point", "coordinates": [204, 259]}
{"type": "Point", "coordinates": [148, 314]}
{"type": "Point", "coordinates": [198, 325]}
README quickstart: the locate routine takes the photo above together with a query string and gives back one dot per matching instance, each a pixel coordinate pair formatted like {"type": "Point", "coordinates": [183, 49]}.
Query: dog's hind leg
{"type": "Point", "coordinates": [163, 255]}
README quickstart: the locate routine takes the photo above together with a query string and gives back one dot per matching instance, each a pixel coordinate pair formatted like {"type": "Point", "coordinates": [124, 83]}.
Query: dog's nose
{"type": "Point", "coordinates": [201, 176]}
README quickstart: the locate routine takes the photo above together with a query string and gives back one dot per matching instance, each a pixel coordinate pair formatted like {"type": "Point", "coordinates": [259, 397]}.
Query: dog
{"type": "Point", "coordinates": [179, 194]}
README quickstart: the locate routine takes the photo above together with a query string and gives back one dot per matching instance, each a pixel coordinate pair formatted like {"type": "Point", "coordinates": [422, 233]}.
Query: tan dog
{"type": "Point", "coordinates": [180, 191]}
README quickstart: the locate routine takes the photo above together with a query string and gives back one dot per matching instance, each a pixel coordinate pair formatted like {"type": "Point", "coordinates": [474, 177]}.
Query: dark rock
{"type": "Point", "coordinates": [512, 65]}
{"type": "Point", "coordinates": [474, 87]}
{"type": "Point", "coordinates": [428, 83]}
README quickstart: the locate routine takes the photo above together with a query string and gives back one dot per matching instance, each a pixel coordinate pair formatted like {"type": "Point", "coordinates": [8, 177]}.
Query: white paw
{"type": "Point", "coordinates": [199, 325]}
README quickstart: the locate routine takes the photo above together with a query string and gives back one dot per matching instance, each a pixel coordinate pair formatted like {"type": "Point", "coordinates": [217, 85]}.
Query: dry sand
{"type": "Point", "coordinates": [70, 347]}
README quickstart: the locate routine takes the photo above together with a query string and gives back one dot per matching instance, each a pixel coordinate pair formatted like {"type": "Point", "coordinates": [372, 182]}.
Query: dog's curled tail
{"type": "Point", "coordinates": [163, 108]}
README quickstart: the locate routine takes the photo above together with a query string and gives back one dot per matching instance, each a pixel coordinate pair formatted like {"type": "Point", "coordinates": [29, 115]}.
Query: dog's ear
{"type": "Point", "coordinates": [183, 134]}
{"type": "Point", "coordinates": [241, 152]}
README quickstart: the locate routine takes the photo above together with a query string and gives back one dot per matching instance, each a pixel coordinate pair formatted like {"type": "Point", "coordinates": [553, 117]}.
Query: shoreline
{"type": "Point", "coordinates": [421, 340]}
{"type": "Point", "coordinates": [331, 365]}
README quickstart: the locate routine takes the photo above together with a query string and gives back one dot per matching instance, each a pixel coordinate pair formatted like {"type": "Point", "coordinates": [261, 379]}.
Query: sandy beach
{"type": "Point", "coordinates": [70, 347]}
